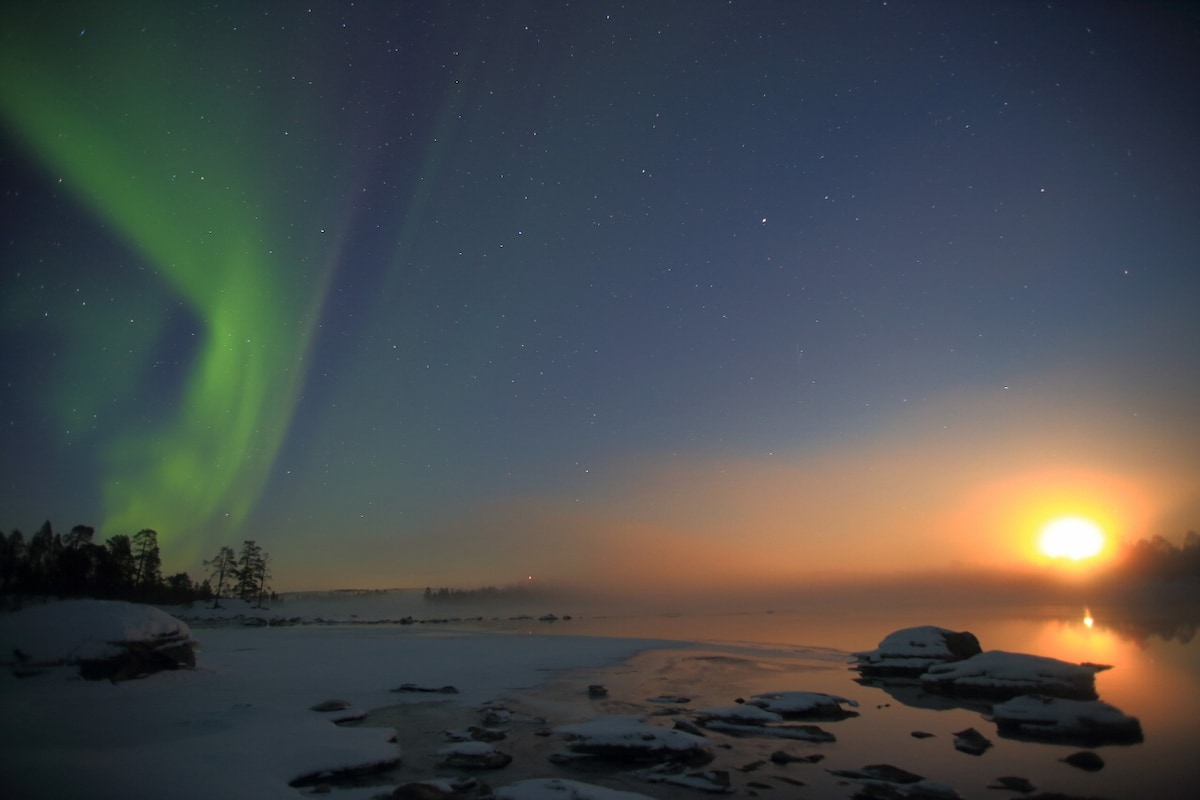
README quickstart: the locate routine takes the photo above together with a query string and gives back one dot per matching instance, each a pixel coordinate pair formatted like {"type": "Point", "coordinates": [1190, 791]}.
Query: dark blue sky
{"type": "Point", "coordinates": [799, 286]}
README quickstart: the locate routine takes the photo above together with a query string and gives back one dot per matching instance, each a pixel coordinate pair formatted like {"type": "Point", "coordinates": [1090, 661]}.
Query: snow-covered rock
{"type": "Point", "coordinates": [106, 638]}
{"type": "Point", "coordinates": [1090, 721]}
{"type": "Point", "coordinates": [884, 780]}
{"type": "Point", "coordinates": [473, 755]}
{"type": "Point", "coordinates": [1000, 674]}
{"type": "Point", "coordinates": [622, 738]}
{"type": "Point", "coordinates": [712, 781]}
{"type": "Point", "coordinates": [743, 713]}
{"type": "Point", "coordinates": [804, 705]}
{"type": "Point", "coordinates": [745, 719]}
{"type": "Point", "coordinates": [911, 651]}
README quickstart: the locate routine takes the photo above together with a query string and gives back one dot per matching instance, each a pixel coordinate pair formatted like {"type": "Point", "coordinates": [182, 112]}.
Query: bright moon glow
{"type": "Point", "coordinates": [1071, 537]}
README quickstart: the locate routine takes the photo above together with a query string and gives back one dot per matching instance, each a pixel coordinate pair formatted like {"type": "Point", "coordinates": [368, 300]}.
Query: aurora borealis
{"type": "Point", "coordinates": [456, 292]}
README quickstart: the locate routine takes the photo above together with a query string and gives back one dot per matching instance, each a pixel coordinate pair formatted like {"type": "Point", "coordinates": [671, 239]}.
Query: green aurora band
{"type": "Point", "coordinates": [172, 146]}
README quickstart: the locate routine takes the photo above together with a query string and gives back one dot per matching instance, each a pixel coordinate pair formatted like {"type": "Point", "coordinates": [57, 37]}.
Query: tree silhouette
{"type": "Point", "coordinates": [147, 560]}
{"type": "Point", "coordinates": [222, 573]}
{"type": "Point", "coordinates": [74, 565]}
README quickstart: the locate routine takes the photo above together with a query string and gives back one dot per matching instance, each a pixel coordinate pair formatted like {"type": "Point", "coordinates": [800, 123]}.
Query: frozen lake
{"type": "Point", "coordinates": [238, 713]}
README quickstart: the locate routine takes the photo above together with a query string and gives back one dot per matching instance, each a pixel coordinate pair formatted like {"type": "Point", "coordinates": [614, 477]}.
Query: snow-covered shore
{"type": "Point", "coordinates": [245, 721]}
{"type": "Point", "coordinates": [240, 724]}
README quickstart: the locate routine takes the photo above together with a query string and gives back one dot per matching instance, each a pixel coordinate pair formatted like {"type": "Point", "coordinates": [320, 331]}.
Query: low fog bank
{"type": "Point", "coordinates": [819, 593]}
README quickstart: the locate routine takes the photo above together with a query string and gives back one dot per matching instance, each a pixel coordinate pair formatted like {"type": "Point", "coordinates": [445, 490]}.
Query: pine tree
{"type": "Point", "coordinates": [116, 575]}
{"type": "Point", "coordinates": [147, 560]}
{"type": "Point", "coordinates": [251, 564]}
{"type": "Point", "coordinates": [222, 572]}
{"type": "Point", "coordinates": [264, 574]}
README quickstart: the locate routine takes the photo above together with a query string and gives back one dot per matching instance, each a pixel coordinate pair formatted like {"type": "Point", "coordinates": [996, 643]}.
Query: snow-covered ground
{"type": "Point", "coordinates": [240, 724]}
{"type": "Point", "coordinates": [243, 723]}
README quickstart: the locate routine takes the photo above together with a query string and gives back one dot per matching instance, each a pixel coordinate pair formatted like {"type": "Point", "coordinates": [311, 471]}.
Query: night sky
{"type": "Point", "coordinates": [690, 292]}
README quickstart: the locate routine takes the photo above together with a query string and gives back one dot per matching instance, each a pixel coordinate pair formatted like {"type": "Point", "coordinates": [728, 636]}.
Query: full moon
{"type": "Point", "coordinates": [1071, 537]}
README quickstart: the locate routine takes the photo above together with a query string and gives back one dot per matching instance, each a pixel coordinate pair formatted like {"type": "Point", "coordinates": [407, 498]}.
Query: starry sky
{"type": "Point", "coordinates": [691, 293]}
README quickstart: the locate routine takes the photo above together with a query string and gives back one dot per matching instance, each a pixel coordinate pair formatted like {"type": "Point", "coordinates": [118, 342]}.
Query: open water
{"type": "Point", "coordinates": [1155, 676]}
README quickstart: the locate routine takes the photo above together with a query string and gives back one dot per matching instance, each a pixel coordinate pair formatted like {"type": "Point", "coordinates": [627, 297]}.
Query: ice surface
{"type": "Point", "coordinates": [240, 724]}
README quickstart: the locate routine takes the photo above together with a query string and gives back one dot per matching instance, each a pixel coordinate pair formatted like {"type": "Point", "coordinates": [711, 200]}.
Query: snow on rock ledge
{"type": "Point", "coordinates": [805, 705]}
{"type": "Point", "coordinates": [999, 674]}
{"type": "Point", "coordinates": [105, 638]}
{"type": "Point", "coordinates": [911, 651]}
{"type": "Point", "coordinates": [631, 739]}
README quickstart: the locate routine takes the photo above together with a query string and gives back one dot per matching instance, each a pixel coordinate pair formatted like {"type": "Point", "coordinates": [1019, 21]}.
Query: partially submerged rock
{"type": "Point", "coordinates": [476, 733]}
{"type": "Point", "coordinates": [971, 742]}
{"type": "Point", "coordinates": [412, 687]}
{"type": "Point", "coordinates": [783, 758]}
{"type": "Point", "coordinates": [326, 706]}
{"type": "Point", "coordinates": [669, 699]}
{"type": "Point", "coordinates": [1085, 760]}
{"type": "Point", "coordinates": [805, 705]}
{"type": "Point", "coordinates": [1013, 783]}
{"type": "Point", "coordinates": [1090, 722]}
{"type": "Point", "coordinates": [799, 732]}
{"type": "Point", "coordinates": [999, 674]}
{"type": "Point", "coordinates": [452, 789]}
{"type": "Point", "coordinates": [631, 739]}
{"type": "Point", "coordinates": [473, 755]}
{"type": "Point", "coordinates": [106, 639]}
{"type": "Point", "coordinates": [911, 651]}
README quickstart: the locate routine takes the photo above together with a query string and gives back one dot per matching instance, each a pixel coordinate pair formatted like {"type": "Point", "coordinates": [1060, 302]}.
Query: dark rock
{"type": "Point", "coordinates": [1013, 784]}
{"type": "Point", "coordinates": [879, 772]}
{"type": "Point", "coordinates": [805, 733]}
{"type": "Point", "coordinates": [412, 687]}
{"type": "Point", "coordinates": [596, 690]}
{"type": "Point", "coordinates": [330, 705]}
{"type": "Point", "coordinates": [476, 733]}
{"type": "Point", "coordinates": [921, 735]}
{"type": "Point", "coordinates": [669, 699]}
{"type": "Point", "coordinates": [1085, 760]}
{"type": "Point", "coordinates": [753, 765]}
{"type": "Point", "coordinates": [971, 742]}
{"type": "Point", "coordinates": [782, 758]}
